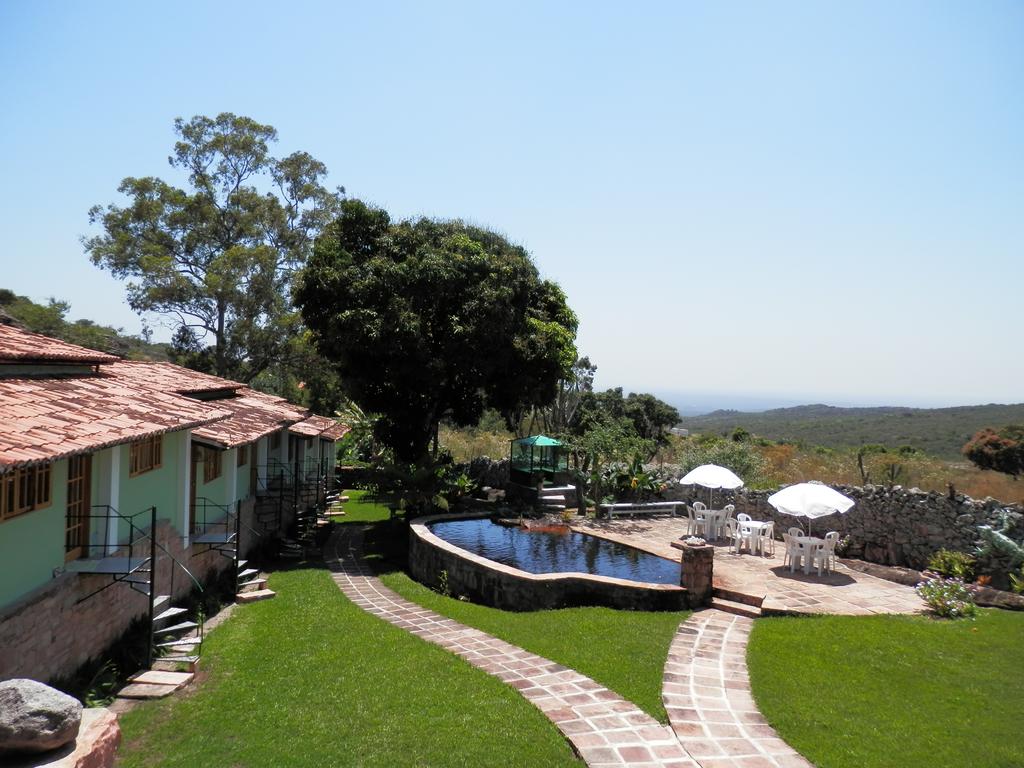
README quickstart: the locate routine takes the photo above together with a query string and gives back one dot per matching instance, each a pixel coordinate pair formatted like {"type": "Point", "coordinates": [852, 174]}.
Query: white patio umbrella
{"type": "Point", "coordinates": [810, 500]}
{"type": "Point", "coordinates": [711, 476]}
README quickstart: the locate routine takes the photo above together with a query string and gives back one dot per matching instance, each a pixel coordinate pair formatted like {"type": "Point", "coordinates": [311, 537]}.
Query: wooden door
{"type": "Point", "coordinates": [76, 535]}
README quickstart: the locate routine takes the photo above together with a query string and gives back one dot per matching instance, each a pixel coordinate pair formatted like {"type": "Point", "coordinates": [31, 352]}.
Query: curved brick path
{"type": "Point", "coordinates": [604, 728]}
{"type": "Point", "coordinates": [706, 692]}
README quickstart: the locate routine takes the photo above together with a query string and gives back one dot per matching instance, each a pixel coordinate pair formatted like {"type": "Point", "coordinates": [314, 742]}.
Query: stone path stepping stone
{"type": "Point", "coordinates": [154, 684]}
{"type": "Point", "coordinates": [604, 728]}
{"type": "Point", "coordinates": [706, 692]}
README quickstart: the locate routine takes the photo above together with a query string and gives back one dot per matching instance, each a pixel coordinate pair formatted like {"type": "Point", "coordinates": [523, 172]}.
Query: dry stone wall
{"type": "Point", "coordinates": [891, 526]}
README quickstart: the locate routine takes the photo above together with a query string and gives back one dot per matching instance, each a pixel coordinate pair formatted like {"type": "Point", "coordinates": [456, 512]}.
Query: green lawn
{"type": "Point", "coordinates": [622, 650]}
{"type": "Point", "coordinates": [859, 692]}
{"type": "Point", "coordinates": [309, 679]}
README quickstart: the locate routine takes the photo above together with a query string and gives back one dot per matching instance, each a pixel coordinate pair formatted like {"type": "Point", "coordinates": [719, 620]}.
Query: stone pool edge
{"type": "Point", "coordinates": [502, 586]}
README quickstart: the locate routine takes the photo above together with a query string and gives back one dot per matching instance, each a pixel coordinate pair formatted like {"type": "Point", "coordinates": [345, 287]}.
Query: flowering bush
{"type": "Point", "coordinates": [947, 597]}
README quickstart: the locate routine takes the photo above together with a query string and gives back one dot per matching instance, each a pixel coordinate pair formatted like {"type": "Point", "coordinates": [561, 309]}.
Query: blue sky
{"type": "Point", "coordinates": [803, 201]}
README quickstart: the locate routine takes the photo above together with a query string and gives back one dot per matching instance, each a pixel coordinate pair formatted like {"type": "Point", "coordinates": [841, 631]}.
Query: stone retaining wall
{"type": "Point", "coordinates": [48, 634]}
{"type": "Point", "coordinates": [891, 526]}
{"type": "Point", "coordinates": [502, 586]}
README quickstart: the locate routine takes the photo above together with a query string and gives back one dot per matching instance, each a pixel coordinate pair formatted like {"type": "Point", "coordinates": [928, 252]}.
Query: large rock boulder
{"type": "Point", "coordinates": [35, 717]}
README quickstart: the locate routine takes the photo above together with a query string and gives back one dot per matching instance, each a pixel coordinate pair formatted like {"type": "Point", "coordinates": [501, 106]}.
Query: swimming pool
{"type": "Point", "coordinates": [548, 552]}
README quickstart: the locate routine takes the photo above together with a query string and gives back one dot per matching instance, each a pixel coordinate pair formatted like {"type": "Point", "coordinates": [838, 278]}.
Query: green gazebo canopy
{"type": "Point", "coordinates": [541, 441]}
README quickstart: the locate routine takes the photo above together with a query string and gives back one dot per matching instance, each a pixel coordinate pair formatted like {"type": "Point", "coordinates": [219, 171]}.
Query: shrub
{"type": "Point", "coordinates": [951, 564]}
{"type": "Point", "coordinates": [947, 597]}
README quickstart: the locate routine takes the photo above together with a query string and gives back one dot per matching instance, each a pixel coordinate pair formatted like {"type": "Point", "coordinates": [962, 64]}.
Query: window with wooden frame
{"type": "Point", "coordinates": [211, 464]}
{"type": "Point", "coordinates": [23, 490]}
{"type": "Point", "coordinates": [243, 455]}
{"type": "Point", "coordinates": [145, 455]}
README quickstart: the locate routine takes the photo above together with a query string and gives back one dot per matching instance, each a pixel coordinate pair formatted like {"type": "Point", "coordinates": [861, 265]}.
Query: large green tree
{"type": "Point", "coordinates": [218, 257]}
{"type": "Point", "coordinates": [429, 319]}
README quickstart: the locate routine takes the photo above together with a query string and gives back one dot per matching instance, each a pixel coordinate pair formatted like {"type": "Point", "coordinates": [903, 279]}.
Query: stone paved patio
{"type": "Point", "coordinates": [604, 728]}
{"type": "Point", "coordinates": [845, 591]}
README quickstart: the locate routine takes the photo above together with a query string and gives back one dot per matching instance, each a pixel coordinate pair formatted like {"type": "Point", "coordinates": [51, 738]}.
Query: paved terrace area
{"type": "Point", "coordinates": [844, 591]}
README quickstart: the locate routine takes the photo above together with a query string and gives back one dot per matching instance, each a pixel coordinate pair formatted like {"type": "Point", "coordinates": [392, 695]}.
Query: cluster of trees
{"type": "Point", "coordinates": [271, 278]}
{"type": "Point", "coordinates": [427, 320]}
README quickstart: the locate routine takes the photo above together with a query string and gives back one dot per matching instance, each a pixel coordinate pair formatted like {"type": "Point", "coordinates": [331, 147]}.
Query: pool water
{"type": "Point", "coordinates": [546, 552]}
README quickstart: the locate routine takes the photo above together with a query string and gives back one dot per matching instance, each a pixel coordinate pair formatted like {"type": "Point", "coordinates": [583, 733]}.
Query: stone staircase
{"type": "Point", "coordinates": [555, 498]}
{"type": "Point", "coordinates": [736, 603]}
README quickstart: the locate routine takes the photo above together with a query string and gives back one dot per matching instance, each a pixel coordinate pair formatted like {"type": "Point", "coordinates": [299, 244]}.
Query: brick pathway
{"type": "Point", "coordinates": [604, 728]}
{"type": "Point", "coordinates": [706, 691]}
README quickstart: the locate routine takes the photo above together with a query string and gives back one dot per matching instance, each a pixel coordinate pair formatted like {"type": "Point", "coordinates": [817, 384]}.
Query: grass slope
{"type": "Point", "coordinates": [939, 431]}
{"type": "Point", "coordinates": [309, 679]}
{"type": "Point", "coordinates": [623, 650]}
{"type": "Point", "coordinates": [880, 691]}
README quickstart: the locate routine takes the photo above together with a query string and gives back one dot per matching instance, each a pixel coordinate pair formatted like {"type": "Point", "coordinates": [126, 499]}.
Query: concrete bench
{"type": "Point", "coordinates": [627, 508]}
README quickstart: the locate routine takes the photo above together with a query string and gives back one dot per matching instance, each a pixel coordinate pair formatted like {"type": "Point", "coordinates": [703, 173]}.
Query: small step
{"type": "Point", "coordinates": [159, 600]}
{"type": "Point", "coordinates": [552, 499]}
{"type": "Point", "coordinates": [217, 537]}
{"type": "Point", "coordinates": [241, 564]}
{"type": "Point", "coordinates": [170, 613]}
{"type": "Point", "coordinates": [182, 627]}
{"type": "Point", "coordinates": [247, 573]}
{"type": "Point", "coordinates": [161, 677]}
{"type": "Point", "coordinates": [252, 597]}
{"type": "Point", "coordinates": [738, 609]}
{"type": "Point", "coordinates": [552, 507]}
{"type": "Point", "coordinates": [738, 597]}
{"type": "Point", "coordinates": [253, 583]}
{"type": "Point", "coordinates": [191, 660]}
{"type": "Point", "coordinates": [145, 691]}
{"type": "Point", "coordinates": [185, 642]}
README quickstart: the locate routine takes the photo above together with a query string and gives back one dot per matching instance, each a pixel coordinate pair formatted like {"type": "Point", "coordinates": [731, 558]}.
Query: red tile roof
{"type": "Point", "coordinates": [251, 416]}
{"type": "Point", "coordinates": [42, 419]}
{"type": "Point", "coordinates": [312, 427]}
{"type": "Point", "coordinates": [48, 419]}
{"type": "Point", "coordinates": [21, 346]}
{"type": "Point", "coordinates": [168, 377]}
{"type": "Point", "coordinates": [322, 427]}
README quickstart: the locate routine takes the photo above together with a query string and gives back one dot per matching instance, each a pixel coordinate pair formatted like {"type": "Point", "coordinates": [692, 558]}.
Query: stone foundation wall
{"type": "Point", "coordinates": [502, 586]}
{"type": "Point", "coordinates": [48, 634]}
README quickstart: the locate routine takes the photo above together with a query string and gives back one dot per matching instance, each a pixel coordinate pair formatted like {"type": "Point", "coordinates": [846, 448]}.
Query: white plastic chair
{"type": "Point", "coordinates": [767, 538]}
{"type": "Point", "coordinates": [831, 539]}
{"type": "Point", "coordinates": [729, 529]}
{"type": "Point", "coordinates": [788, 545]}
{"type": "Point", "coordinates": [696, 522]}
{"type": "Point", "coordinates": [743, 517]}
{"type": "Point", "coordinates": [796, 532]}
{"type": "Point", "coordinates": [747, 534]}
{"type": "Point", "coordinates": [802, 550]}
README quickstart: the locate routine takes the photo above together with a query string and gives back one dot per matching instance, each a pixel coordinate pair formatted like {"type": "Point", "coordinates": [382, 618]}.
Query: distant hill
{"type": "Point", "coordinates": [939, 431]}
